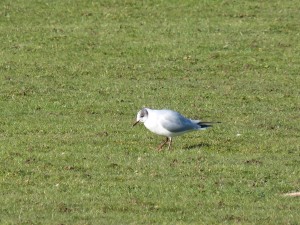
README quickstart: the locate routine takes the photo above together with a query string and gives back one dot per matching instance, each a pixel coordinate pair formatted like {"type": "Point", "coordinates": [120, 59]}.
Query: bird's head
{"type": "Point", "coordinates": [142, 116]}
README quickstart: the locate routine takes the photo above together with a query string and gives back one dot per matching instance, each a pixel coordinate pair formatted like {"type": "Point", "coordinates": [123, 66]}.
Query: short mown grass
{"type": "Point", "coordinates": [74, 74]}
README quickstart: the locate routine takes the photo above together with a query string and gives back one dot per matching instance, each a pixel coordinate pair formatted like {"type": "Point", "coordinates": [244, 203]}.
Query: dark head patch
{"type": "Point", "coordinates": [143, 113]}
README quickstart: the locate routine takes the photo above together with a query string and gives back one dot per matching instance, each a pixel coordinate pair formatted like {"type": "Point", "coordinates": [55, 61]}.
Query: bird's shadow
{"type": "Point", "coordinates": [200, 145]}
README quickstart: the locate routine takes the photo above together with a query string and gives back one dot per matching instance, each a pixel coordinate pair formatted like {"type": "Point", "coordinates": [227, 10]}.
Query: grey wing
{"type": "Point", "coordinates": [175, 122]}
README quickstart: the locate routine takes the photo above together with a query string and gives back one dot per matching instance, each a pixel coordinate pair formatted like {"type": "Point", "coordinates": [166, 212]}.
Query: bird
{"type": "Point", "coordinates": [168, 123]}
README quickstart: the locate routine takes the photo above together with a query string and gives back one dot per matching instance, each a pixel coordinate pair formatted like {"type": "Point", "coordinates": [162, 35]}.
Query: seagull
{"type": "Point", "coordinates": [168, 123]}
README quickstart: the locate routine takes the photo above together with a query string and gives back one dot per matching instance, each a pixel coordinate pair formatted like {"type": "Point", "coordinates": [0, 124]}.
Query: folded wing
{"type": "Point", "coordinates": [175, 122]}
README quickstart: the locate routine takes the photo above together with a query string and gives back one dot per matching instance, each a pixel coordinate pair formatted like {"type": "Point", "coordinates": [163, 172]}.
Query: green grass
{"type": "Point", "coordinates": [74, 74]}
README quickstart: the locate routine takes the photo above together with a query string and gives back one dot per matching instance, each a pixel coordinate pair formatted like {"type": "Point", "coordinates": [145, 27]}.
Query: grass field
{"type": "Point", "coordinates": [74, 74]}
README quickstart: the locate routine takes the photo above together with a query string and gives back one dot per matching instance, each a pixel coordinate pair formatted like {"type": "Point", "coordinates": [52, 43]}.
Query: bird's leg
{"type": "Point", "coordinates": [162, 144]}
{"type": "Point", "coordinates": [170, 143]}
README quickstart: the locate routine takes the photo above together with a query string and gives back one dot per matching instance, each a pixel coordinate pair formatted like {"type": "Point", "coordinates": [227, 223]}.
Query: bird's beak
{"type": "Point", "coordinates": [135, 123]}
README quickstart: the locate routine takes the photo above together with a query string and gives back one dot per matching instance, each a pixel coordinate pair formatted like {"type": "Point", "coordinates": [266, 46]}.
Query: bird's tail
{"type": "Point", "coordinates": [205, 125]}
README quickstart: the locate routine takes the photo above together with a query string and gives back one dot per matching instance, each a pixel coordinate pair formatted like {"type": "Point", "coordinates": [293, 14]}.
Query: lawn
{"type": "Point", "coordinates": [75, 73]}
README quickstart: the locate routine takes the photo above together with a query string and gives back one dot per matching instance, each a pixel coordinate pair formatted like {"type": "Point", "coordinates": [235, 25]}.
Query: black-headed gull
{"type": "Point", "coordinates": [168, 123]}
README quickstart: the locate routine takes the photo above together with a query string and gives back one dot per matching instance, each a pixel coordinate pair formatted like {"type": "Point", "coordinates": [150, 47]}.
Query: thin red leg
{"type": "Point", "coordinates": [162, 144]}
{"type": "Point", "coordinates": [170, 143]}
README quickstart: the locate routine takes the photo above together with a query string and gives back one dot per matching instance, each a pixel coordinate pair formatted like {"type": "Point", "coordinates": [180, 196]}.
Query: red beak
{"type": "Point", "coordinates": [135, 123]}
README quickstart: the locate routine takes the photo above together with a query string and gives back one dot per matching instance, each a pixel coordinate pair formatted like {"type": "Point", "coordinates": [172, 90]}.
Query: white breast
{"type": "Point", "coordinates": [156, 128]}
